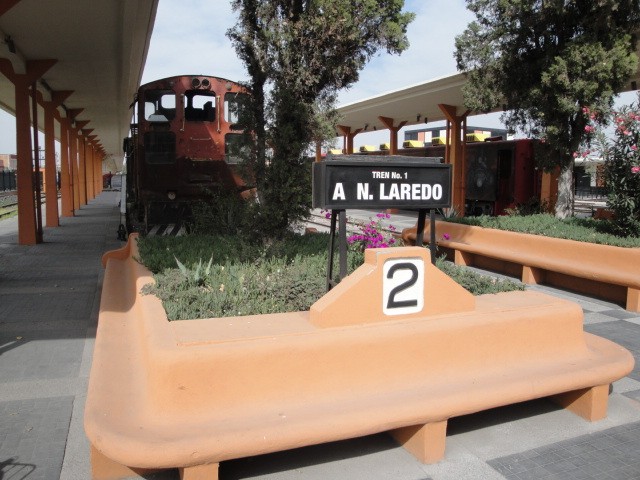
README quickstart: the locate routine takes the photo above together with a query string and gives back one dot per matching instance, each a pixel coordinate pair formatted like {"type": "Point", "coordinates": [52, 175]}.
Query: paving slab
{"type": "Point", "coordinates": [33, 437]}
{"type": "Point", "coordinates": [611, 453]}
{"type": "Point", "coordinates": [49, 298]}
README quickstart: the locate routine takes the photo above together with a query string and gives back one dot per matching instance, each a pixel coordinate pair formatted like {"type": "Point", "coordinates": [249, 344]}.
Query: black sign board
{"type": "Point", "coordinates": [369, 182]}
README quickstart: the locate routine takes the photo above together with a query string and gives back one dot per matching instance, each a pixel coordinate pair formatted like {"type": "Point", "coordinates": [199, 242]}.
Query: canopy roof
{"type": "Point", "coordinates": [100, 47]}
{"type": "Point", "coordinates": [415, 104]}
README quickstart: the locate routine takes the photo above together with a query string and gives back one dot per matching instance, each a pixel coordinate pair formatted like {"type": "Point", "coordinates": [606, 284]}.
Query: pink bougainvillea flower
{"type": "Point", "coordinates": [635, 169]}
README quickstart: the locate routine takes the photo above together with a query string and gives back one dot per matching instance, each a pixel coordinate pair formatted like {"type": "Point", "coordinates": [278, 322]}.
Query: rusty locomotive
{"type": "Point", "coordinates": [186, 142]}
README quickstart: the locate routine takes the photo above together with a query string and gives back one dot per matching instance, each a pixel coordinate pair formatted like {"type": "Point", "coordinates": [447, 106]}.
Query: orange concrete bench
{"type": "Point", "coordinates": [612, 273]}
{"type": "Point", "coordinates": [191, 394]}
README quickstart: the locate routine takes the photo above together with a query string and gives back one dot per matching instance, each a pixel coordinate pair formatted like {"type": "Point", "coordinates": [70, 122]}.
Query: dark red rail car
{"type": "Point", "coordinates": [185, 144]}
{"type": "Point", "coordinates": [499, 174]}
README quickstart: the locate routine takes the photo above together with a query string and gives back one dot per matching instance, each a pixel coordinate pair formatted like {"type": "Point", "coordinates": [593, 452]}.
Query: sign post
{"type": "Point", "coordinates": [380, 182]}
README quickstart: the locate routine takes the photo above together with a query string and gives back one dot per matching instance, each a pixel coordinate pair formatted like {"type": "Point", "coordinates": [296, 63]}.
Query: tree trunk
{"type": "Point", "coordinates": [564, 205]}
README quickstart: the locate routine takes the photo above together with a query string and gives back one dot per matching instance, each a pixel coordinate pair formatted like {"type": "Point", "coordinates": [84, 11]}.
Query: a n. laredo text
{"type": "Point", "coordinates": [393, 191]}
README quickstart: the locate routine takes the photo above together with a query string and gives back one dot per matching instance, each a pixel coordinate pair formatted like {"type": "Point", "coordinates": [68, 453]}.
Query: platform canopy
{"type": "Point", "coordinates": [415, 104]}
{"type": "Point", "coordinates": [100, 48]}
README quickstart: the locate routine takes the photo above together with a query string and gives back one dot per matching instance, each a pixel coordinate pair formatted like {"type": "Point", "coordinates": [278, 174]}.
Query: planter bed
{"type": "Point", "coordinates": [191, 394]}
{"type": "Point", "coordinates": [607, 272]}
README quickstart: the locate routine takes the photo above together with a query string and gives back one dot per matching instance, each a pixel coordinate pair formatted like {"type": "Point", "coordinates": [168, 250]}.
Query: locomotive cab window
{"type": "Point", "coordinates": [159, 106]}
{"type": "Point", "coordinates": [236, 110]}
{"type": "Point", "coordinates": [199, 106]}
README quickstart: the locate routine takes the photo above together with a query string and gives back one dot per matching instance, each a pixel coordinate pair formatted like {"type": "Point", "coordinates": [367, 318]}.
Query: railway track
{"type": "Point", "coordinates": [9, 203]}
{"type": "Point", "coordinates": [355, 219]}
{"type": "Point", "coordinates": [316, 220]}
{"type": "Point", "coordinates": [166, 230]}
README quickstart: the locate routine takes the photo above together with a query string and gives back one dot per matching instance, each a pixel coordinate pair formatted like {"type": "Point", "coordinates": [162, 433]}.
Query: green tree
{"type": "Point", "coordinates": [299, 54]}
{"type": "Point", "coordinates": [542, 61]}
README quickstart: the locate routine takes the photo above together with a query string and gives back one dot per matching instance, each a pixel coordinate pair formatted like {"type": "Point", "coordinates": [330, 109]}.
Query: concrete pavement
{"type": "Point", "coordinates": [49, 300]}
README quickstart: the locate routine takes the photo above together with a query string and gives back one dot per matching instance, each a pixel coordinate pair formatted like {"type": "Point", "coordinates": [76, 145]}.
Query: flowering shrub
{"type": "Point", "coordinates": [373, 234]}
{"type": "Point", "coordinates": [622, 166]}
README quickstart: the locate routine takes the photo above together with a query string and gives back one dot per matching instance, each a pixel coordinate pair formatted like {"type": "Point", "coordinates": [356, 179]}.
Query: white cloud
{"type": "Point", "coordinates": [189, 37]}
{"type": "Point", "coordinates": [192, 39]}
{"type": "Point", "coordinates": [430, 53]}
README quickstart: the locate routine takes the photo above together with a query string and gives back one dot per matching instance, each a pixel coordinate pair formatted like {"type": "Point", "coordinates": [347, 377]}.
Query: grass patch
{"type": "Point", "coordinates": [220, 276]}
{"type": "Point", "coordinates": [579, 229]}
{"type": "Point", "coordinates": [8, 212]}
{"type": "Point", "coordinates": [475, 283]}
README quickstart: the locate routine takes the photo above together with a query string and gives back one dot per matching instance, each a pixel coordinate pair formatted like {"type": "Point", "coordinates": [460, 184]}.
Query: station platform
{"type": "Point", "coordinates": [49, 300]}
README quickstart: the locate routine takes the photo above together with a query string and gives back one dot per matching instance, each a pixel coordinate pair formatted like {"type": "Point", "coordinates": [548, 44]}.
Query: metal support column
{"type": "Point", "coordinates": [342, 247]}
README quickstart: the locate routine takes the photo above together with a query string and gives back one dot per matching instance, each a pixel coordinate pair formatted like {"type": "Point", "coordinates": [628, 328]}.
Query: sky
{"type": "Point", "coordinates": [188, 43]}
{"type": "Point", "coordinates": [184, 43]}
{"type": "Point", "coordinates": [189, 38]}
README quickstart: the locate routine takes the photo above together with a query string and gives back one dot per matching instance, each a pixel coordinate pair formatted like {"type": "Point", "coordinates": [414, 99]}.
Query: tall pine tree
{"type": "Point", "coordinates": [299, 54]}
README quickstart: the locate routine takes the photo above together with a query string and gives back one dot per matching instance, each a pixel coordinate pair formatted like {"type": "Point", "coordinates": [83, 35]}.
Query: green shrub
{"type": "Point", "coordinates": [219, 276]}
{"type": "Point", "coordinates": [283, 275]}
{"type": "Point", "coordinates": [475, 283]}
{"type": "Point", "coordinates": [579, 229]}
{"type": "Point", "coordinates": [159, 253]}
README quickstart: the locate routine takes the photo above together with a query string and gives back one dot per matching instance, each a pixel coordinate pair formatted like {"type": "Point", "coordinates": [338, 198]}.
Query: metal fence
{"type": "Point", "coordinates": [7, 180]}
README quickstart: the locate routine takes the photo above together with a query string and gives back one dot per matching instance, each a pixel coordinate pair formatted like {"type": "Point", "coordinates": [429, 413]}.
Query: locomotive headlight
{"type": "Point", "coordinates": [171, 195]}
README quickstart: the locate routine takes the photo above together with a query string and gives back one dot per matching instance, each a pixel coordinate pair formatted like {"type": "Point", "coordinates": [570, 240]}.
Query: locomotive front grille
{"type": "Point", "coordinates": [160, 147]}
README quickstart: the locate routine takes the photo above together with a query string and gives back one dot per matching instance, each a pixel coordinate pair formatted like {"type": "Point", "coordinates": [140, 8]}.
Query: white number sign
{"type": "Point", "coordinates": [402, 286]}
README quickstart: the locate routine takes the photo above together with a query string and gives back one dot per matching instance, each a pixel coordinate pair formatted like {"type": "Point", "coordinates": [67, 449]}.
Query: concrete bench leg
{"type": "Point", "coordinates": [589, 403]}
{"type": "Point", "coordinates": [462, 258]}
{"type": "Point", "coordinates": [633, 299]}
{"type": "Point", "coordinates": [531, 275]}
{"type": "Point", "coordinates": [425, 442]}
{"type": "Point", "coordinates": [103, 468]}
{"type": "Point", "coordinates": [200, 472]}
